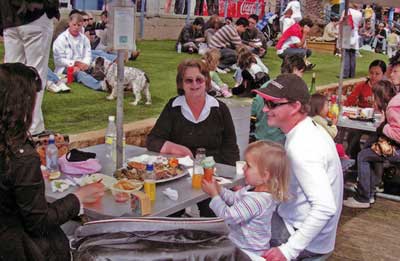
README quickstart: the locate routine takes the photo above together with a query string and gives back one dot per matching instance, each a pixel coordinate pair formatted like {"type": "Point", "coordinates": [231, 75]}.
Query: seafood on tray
{"type": "Point", "coordinates": [164, 169]}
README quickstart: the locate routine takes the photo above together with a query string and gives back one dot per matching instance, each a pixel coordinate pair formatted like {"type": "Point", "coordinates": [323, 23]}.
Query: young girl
{"type": "Point", "coordinates": [248, 211]}
{"type": "Point", "coordinates": [319, 112]}
{"type": "Point", "coordinates": [252, 73]}
{"type": "Point", "coordinates": [211, 59]}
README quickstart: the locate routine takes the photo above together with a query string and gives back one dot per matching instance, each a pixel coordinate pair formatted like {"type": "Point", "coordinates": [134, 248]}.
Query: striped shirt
{"type": "Point", "coordinates": [227, 36]}
{"type": "Point", "coordinates": [248, 216]}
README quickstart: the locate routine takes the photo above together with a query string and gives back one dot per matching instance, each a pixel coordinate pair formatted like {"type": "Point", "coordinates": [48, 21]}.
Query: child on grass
{"type": "Point", "coordinates": [211, 59]}
{"type": "Point", "coordinates": [248, 211]}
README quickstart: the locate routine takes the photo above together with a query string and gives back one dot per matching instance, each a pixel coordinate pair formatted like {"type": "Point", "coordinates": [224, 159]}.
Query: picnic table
{"type": "Point", "coordinates": [345, 122]}
{"type": "Point", "coordinates": [162, 206]}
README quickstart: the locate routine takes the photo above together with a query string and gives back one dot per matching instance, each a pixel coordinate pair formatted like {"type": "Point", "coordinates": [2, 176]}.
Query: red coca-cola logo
{"type": "Point", "coordinates": [248, 8]}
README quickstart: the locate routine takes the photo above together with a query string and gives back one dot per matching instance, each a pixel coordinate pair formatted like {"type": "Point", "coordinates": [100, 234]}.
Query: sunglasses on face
{"type": "Point", "coordinates": [198, 80]}
{"type": "Point", "coordinates": [85, 20]}
{"type": "Point", "coordinates": [272, 105]}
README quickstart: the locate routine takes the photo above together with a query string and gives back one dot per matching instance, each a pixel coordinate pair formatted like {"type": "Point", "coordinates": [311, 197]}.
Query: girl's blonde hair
{"type": "Point", "coordinates": [211, 59]}
{"type": "Point", "coordinates": [270, 156]}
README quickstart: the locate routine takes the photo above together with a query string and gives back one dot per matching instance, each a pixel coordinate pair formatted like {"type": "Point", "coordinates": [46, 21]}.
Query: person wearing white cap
{"type": "Point", "coordinates": [305, 226]}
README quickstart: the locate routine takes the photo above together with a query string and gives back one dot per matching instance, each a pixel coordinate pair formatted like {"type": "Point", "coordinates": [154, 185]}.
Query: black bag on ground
{"type": "Point", "coordinates": [156, 239]}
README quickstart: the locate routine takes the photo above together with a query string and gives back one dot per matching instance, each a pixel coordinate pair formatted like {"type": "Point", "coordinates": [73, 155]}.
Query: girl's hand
{"type": "Point", "coordinates": [211, 188]}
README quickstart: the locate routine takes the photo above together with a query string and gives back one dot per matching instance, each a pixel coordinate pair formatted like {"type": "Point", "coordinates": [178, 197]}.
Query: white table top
{"type": "Point", "coordinates": [162, 206]}
{"type": "Point", "coordinates": [345, 122]}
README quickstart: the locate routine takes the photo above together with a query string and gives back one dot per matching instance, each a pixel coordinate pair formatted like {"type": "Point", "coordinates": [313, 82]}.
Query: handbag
{"type": "Point", "coordinates": [384, 147]}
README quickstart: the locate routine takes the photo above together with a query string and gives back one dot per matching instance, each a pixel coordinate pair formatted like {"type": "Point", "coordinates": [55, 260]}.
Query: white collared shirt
{"type": "Point", "coordinates": [187, 112]}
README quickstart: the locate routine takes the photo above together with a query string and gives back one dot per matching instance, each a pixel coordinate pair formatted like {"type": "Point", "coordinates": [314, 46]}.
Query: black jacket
{"type": "Point", "coordinates": [29, 226]}
{"type": "Point", "coordinates": [20, 12]}
{"type": "Point", "coordinates": [216, 133]}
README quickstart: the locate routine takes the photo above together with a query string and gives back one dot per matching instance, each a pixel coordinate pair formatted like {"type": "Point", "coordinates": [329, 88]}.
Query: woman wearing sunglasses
{"type": "Point", "coordinates": [195, 119]}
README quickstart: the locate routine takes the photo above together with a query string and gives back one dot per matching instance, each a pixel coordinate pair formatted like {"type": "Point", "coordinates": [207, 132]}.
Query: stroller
{"type": "Point", "coordinates": [269, 25]}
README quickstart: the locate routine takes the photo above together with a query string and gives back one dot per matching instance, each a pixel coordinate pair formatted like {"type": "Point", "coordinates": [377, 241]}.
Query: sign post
{"type": "Point", "coordinates": [122, 30]}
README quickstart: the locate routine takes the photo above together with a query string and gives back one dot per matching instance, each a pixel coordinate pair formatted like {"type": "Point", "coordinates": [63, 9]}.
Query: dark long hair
{"type": "Point", "coordinates": [18, 86]}
{"type": "Point", "coordinates": [383, 91]}
{"type": "Point", "coordinates": [317, 103]}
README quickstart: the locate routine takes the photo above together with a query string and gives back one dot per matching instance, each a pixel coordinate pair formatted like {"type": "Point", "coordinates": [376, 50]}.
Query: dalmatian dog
{"type": "Point", "coordinates": [134, 79]}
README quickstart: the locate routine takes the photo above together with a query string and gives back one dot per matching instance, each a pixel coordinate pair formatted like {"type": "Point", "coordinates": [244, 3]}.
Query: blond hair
{"type": "Point", "coordinates": [270, 156]}
{"type": "Point", "coordinates": [211, 59]}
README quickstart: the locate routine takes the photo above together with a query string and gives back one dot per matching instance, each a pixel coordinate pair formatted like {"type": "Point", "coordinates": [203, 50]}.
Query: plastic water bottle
{"type": "Point", "coordinates": [110, 140]}
{"type": "Point", "coordinates": [179, 48]}
{"type": "Point", "coordinates": [52, 156]}
{"type": "Point", "coordinates": [150, 182]}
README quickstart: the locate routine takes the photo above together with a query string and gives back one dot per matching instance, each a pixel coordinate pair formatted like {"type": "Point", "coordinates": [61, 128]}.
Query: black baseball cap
{"type": "Point", "coordinates": [286, 86]}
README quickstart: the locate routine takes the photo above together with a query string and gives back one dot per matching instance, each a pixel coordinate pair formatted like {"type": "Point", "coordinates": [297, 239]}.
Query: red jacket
{"type": "Point", "coordinates": [361, 96]}
{"type": "Point", "coordinates": [294, 30]}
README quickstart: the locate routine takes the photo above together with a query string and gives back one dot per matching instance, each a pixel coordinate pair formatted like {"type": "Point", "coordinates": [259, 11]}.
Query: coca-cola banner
{"type": "Point", "coordinates": [242, 8]}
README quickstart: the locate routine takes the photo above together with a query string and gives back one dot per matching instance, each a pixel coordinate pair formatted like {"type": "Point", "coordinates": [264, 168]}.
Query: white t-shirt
{"type": "Point", "coordinates": [286, 22]}
{"type": "Point", "coordinates": [291, 40]}
{"type": "Point", "coordinates": [296, 9]}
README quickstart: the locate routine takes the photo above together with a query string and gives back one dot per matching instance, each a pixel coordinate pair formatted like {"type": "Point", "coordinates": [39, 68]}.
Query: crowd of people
{"type": "Point", "coordinates": [292, 201]}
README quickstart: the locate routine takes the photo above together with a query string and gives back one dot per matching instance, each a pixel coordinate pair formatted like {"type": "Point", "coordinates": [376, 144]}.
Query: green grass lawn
{"type": "Point", "coordinates": [84, 109]}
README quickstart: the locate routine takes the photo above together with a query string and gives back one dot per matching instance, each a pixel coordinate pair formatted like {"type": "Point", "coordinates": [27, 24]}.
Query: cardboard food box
{"type": "Point", "coordinates": [140, 203]}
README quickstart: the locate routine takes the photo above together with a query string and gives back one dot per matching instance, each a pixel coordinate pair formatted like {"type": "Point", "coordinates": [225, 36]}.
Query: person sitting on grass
{"type": "Point", "coordinates": [253, 72]}
{"type": "Point", "coordinates": [191, 36]}
{"type": "Point", "coordinates": [30, 226]}
{"type": "Point", "coordinates": [227, 39]}
{"type": "Point", "coordinates": [293, 40]}
{"type": "Point", "coordinates": [72, 49]}
{"type": "Point", "coordinates": [248, 211]}
{"type": "Point", "coordinates": [218, 87]}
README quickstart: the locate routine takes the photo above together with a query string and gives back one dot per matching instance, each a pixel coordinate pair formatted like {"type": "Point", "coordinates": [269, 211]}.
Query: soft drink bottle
{"type": "Point", "coordinates": [110, 138]}
{"type": "Point", "coordinates": [52, 156]}
{"type": "Point", "coordinates": [150, 182]}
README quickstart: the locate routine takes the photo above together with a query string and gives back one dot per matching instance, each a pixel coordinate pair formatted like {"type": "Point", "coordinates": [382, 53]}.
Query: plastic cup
{"type": "Point", "coordinates": [208, 167]}
{"type": "Point", "coordinates": [239, 167]}
{"type": "Point", "coordinates": [70, 74]}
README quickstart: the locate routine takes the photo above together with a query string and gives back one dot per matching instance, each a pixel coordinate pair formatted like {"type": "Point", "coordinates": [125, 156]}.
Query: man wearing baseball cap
{"type": "Point", "coordinates": [305, 225]}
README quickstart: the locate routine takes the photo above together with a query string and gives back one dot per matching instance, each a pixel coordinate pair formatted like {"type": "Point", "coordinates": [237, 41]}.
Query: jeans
{"type": "Point", "coordinates": [280, 235]}
{"type": "Point", "coordinates": [295, 51]}
{"type": "Point", "coordinates": [228, 58]}
{"type": "Point", "coordinates": [87, 80]}
{"type": "Point", "coordinates": [100, 53]}
{"type": "Point", "coordinates": [51, 76]}
{"type": "Point", "coordinates": [380, 41]}
{"type": "Point", "coordinates": [180, 7]}
{"type": "Point", "coordinates": [368, 175]}
{"type": "Point", "coordinates": [349, 63]}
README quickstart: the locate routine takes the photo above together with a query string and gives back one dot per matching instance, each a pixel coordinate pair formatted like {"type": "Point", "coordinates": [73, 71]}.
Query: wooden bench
{"type": "Point", "coordinates": [323, 47]}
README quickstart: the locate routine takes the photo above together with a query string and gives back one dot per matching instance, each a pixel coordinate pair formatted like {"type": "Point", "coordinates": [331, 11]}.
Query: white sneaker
{"type": "Point", "coordinates": [63, 87]}
{"type": "Point", "coordinates": [352, 203]}
{"type": "Point", "coordinates": [218, 70]}
{"type": "Point", "coordinates": [52, 87]}
{"type": "Point", "coordinates": [372, 200]}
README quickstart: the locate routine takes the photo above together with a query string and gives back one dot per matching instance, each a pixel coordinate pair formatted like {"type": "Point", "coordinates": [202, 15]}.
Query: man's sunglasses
{"type": "Point", "coordinates": [272, 105]}
{"type": "Point", "coordinates": [198, 80]}
{"type": "Point", "coordinates": [86, 20]}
